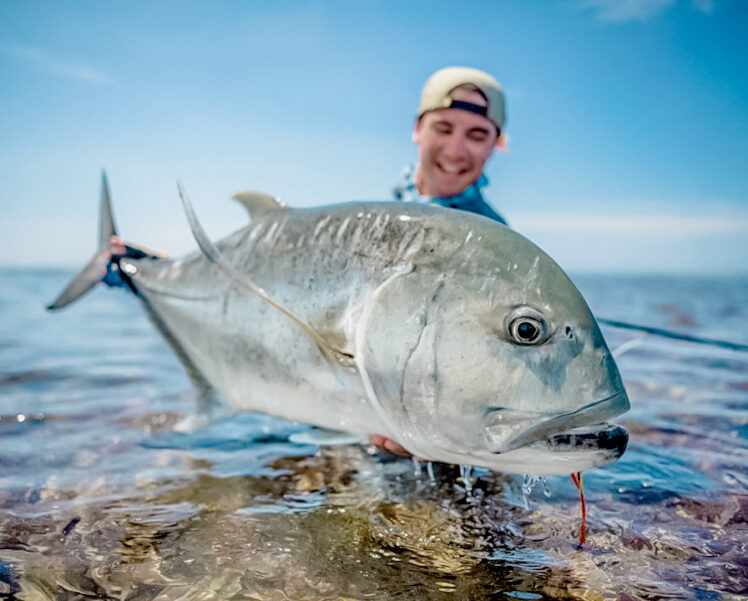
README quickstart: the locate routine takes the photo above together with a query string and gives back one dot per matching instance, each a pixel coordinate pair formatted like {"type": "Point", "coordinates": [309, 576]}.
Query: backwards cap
{"type": "Point", "coordinates": [437, 89]}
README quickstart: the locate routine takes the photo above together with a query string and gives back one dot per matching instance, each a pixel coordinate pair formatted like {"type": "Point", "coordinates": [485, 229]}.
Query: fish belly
{"type": "Point", "coordinates": [257, 360]}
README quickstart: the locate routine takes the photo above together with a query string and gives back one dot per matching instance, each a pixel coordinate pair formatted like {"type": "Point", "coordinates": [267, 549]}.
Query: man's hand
{"type": "Point", "coordinates": [389, 445]}
{"type": "Point", "coordinates": [117, 246]}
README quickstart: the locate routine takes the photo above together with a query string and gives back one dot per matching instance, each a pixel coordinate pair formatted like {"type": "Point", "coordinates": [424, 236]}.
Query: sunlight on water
{"type": "Point", "coordinates": [100, 497]}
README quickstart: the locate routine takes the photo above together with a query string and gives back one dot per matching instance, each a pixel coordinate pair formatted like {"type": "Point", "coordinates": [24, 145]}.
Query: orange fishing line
{"type": "Point", "coordinates": [578, 481]}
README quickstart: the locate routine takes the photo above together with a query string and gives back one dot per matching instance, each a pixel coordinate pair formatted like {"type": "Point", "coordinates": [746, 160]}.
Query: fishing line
{"type": "Point", "coordinates": [627, 346]}
{"type": "Point", "coordinates": [734, 346]}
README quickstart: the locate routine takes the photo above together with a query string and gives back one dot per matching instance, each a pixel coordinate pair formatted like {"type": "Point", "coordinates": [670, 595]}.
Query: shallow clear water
{"type": "Point", "coordinates": [101, 498]}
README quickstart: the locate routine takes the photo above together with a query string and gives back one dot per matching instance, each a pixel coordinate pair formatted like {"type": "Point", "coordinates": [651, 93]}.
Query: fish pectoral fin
{"type": "Point", "coordinates": [325, 437]}
{"type": "Point", "coordinates": [259, 204]}
{"type": "Point", "coordinates": [343, 358]}
{"type": "Point", "coordinates": [337, 347]}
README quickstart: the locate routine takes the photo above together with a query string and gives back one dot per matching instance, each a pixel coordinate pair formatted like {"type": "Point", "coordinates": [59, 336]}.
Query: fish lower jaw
{"type": "Point", "coordinates": [574, 450]}
{"type": "Point", "coordinates": [505, 430]}
{"type": "Point", "coordinates": [578, 449]}
{"type": "Point", "coordinates": [536, 462]}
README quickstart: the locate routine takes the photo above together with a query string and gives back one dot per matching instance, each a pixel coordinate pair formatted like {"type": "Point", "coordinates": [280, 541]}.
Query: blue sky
{"type": "Point", "coordinates": [628, 119]}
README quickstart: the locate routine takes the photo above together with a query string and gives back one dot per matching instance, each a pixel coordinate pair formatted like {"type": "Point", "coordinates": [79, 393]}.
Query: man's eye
{"type": "Point", "coordinates": [442, 128]}
{"type": "Point", "coordinates": [476, 136]}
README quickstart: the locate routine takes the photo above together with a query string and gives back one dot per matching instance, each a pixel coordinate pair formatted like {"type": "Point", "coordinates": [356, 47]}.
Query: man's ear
{"type": "Point", "coordinates": [416, 136]}
{"type": "Point", "coordinates": [502, 142]}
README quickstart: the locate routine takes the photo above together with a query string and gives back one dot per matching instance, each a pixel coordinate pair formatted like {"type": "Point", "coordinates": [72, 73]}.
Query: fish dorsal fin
{"type": "Point", "coordinates": [259, 203]}
{"type": "Point", "coordinates": [213, 254]}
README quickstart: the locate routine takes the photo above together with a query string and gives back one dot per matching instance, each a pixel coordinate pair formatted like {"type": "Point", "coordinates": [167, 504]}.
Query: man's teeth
{"type": "Point", "coordinates": [450, 169]}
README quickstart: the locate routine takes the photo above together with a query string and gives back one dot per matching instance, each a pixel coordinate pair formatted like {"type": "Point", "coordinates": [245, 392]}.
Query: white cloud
{"type": "Point", "coordinates": [620, 11]}
{"type": "Point", "coordinates": [703, 6]}
{"type": "Point", "coordinates": [660, 225]}
{"type": "Point", "coordinates": [642, 242]}
{"type": "Point", "coordinates": [47, 63]}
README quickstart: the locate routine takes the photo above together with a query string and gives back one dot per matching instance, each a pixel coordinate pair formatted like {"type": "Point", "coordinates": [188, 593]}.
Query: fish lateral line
{"type": "Point", "coordinates": [214, 255]}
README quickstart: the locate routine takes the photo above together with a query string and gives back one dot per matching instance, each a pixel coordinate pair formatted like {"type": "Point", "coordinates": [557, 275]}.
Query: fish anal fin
{"type": "Point", "coordinates": [208, 410]}
{"type": "Point", "coordinates": [259, 203]}
{"type": "Point", "coordinates": [209, 407]}
{"type": "Point", "coordinates": [325, 437]}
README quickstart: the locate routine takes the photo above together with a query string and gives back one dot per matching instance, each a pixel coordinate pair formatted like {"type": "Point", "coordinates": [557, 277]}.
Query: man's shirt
{"type": "Point", "coordinates": [470, 200]}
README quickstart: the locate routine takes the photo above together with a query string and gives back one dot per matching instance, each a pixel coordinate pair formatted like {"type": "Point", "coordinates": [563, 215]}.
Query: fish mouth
{"type": "Point", "coordinates": [612, 438]}
{"type": "Point", "coordinates": [573, 450]}
{"type": "Point", "coordinates": [583, 429]}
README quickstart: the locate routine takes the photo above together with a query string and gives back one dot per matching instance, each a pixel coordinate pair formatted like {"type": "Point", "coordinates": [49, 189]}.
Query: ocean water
{"type": "Point", "coordinates": [100, 497]}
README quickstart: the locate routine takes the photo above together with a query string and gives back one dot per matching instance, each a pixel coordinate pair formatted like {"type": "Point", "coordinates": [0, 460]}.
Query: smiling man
{"type": "Point", "coordinates": [459, 125]}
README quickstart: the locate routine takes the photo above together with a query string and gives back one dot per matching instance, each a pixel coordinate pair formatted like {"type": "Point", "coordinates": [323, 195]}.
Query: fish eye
{"type": "Point", "coordinates": [526, 326]}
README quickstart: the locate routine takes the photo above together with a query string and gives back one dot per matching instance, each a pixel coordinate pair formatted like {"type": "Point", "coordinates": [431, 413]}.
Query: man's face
{"type": "Point", "coordinates": [453, 146]}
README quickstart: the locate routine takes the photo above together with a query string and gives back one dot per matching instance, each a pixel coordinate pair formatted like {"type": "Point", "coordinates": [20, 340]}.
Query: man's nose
{"type": "Point", "coordinates": [455, 147]}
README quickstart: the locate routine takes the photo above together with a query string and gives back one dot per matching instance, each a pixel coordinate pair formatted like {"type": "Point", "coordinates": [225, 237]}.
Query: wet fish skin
{"type": "Point", "coordinates": [411, 303]}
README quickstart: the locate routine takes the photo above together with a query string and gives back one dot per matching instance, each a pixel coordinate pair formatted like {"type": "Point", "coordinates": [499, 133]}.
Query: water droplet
{"type": "Point", "coordinates": [528, 483]}
{"type": "Point", "coordinates": [417, 468]}
{"type": "Point", "coordinates": [430, 472]}
{"type": "Point", "coordinates": [546, 489]}
{"type": "Point", "coordinates": [466, 476]}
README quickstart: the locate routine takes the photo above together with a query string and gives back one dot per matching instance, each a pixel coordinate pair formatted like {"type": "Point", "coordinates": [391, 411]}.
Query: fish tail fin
{"type": "Point", "coordinates": [90, 275]}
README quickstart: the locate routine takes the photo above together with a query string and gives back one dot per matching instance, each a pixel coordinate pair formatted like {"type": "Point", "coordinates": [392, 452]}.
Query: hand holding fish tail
{"type": "Point", "coordinates": [117, 246]}
{"type": "Point", "coordinates": [110, 271]}
{"type": "Point", "coordinates": [120, 248]}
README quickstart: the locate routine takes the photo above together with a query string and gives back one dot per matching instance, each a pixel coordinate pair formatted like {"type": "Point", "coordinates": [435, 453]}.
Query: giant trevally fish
{"type": "Point", "coordinates": [439, 329]}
